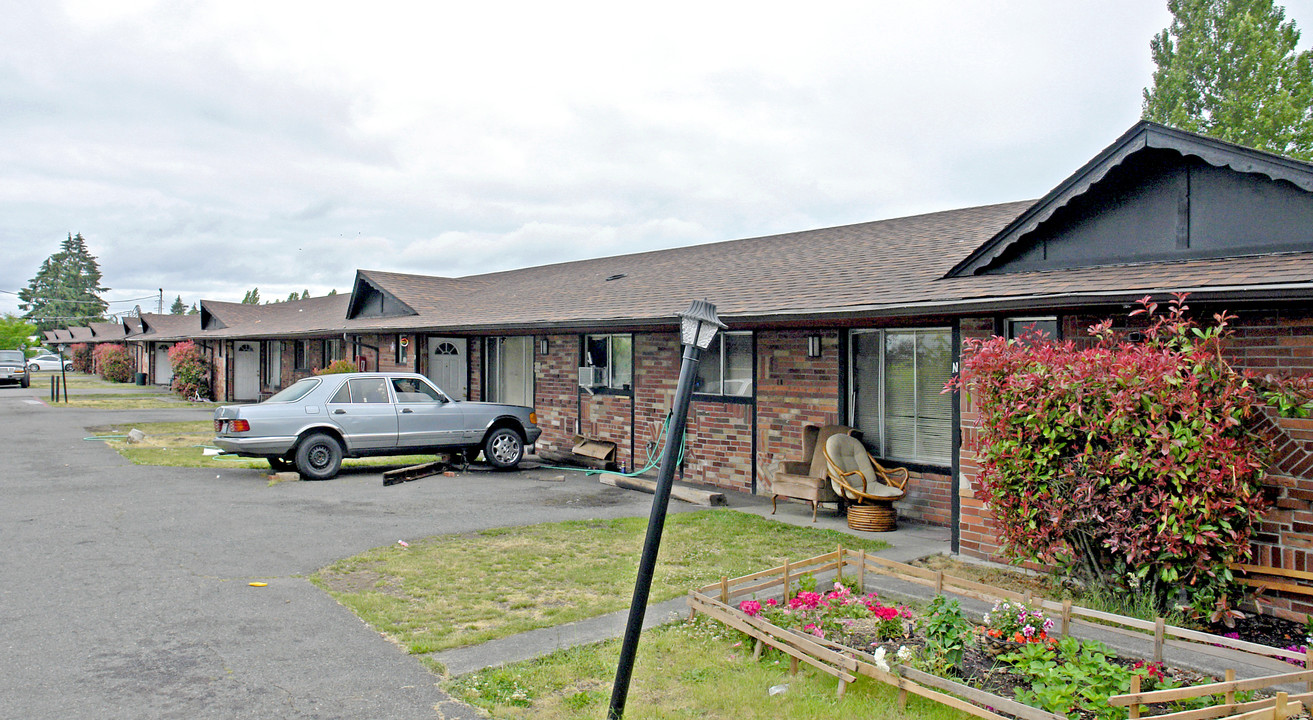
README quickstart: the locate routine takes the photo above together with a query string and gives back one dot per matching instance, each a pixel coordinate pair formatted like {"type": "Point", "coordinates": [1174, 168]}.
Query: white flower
{"type": "Point", "coordinates": [904, 653]}
{"type": "Point", "coordinates": [880, 662]}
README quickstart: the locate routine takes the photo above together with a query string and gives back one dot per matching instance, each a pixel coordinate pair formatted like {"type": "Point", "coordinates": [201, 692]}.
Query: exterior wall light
{"type": "Point", "coordinates": [813, 346]}
{"type": "Point", "coordinates": [542, 346]}
{"type": "Point", "coordinates": [698, 326]}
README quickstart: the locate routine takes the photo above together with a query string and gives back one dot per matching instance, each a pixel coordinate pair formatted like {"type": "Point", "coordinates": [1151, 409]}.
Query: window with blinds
{"type": "Point", "coordinates": [896, 383]}
{"type": "Point", "coordinates": [725, 368]}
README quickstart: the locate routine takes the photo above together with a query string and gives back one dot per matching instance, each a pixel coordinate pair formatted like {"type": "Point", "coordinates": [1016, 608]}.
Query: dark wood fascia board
{"type": "Point", "coordinates": [1142, 135]}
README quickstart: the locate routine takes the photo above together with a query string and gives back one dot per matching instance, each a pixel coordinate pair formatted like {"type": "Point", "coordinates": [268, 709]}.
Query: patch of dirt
{"type": "Point", "coordinates": [1265, 630]}
{"type": "Point", "coordinates": [360, 581]}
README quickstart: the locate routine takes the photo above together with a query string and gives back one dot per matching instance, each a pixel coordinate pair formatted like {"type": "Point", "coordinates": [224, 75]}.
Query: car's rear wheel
{"type": "Point", "coordinates": [281, 464]}
{"type": "Point", "coordinates": [503, 448]}
{"type": "Point", "coordinates": [318, 457]}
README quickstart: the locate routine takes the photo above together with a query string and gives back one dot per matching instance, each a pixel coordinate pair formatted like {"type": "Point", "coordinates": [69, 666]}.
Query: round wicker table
{"type": "Point", "coordinates": [873, 518]}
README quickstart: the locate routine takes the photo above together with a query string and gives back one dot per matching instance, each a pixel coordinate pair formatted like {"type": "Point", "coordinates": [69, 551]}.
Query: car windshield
{"type": "Point", "coordinates": [11, 356]}
{"type": "Point", "coordinates": [295, 392]}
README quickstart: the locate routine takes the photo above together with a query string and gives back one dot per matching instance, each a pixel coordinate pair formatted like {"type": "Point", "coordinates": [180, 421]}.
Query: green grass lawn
{"type": "Point", "coordinates": [453, 590]}
{"type": "Point", "coordinates": [698, 670]}
{"type": "Point", "coordinates": [182, 444]}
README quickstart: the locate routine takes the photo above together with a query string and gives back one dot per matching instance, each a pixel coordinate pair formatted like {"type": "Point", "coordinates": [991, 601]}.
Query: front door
{"type": "Point", "coordinates": [446, 366]}
{"type": "Point", "coordinates": [246, 371]}
{"type": "Point", "coordinates": [163, 368]}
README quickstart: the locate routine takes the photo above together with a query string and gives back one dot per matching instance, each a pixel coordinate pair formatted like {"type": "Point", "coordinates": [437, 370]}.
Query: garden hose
{"type": "Point", "coordinates": [106, 437]}
{"type": "Point", "coordinates": [653, 459]}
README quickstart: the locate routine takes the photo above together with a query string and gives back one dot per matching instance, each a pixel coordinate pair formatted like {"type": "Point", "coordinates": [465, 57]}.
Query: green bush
{"type": "Point", "coordinates": [338, 366]}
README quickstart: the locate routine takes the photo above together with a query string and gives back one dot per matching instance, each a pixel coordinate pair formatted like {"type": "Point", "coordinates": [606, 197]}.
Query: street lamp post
{"type": "Point", "coordinates": [698, 326]}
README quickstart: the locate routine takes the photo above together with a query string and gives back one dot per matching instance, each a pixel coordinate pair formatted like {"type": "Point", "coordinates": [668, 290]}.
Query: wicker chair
{"type": "Point", "coordinates": [858, 479]}
{"type": "Point", "coordinates": [807, 479]}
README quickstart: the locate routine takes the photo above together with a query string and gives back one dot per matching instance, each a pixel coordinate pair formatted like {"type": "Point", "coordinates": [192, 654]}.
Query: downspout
{"type": "Point", "coordinates": [955, 492]}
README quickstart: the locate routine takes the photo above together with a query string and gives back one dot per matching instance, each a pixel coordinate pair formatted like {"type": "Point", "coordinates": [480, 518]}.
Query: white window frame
{"type": "Point", "coordinates": [879, 437]}
{"type": "Point", "coordinates": [718, 343]}
{"type": "Point", "coordinates": [612, 382]}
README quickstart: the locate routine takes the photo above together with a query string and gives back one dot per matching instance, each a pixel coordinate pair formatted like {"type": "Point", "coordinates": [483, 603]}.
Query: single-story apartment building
{"type": "Point", "coordinates": [859, 325]}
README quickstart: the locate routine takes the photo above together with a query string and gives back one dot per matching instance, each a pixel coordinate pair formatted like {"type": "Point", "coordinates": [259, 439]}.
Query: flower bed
{"type": "Point", "coordinates": [1022, 649]}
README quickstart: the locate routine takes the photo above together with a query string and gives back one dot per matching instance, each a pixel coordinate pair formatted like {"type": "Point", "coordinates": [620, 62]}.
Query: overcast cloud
{"type": "Point", "coordinates": [207, 147]}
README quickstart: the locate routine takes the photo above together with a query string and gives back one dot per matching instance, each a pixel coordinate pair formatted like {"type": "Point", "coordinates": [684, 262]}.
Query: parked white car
{"type": "Point", "coordinates": [48, 362]}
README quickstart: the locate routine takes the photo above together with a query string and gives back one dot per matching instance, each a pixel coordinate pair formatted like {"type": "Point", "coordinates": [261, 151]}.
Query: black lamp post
{"type": "Point", "coordinates": [698, 326]}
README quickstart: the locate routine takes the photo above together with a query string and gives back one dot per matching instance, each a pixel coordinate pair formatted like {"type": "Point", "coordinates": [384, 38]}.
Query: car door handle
{"type": "Point", "coordinates": [339, 411]}
{"type": "Point", "coordinates": [407, 410]}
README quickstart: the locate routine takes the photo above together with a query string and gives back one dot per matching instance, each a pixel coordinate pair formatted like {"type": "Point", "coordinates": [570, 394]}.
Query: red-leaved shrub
{"type": "Point", "coordinates": [80, 354]}
{"type": "Point", "coordinates": [112, 362]}
{"type": "Point", "coordinates": [191, 371]}
{"type": "Point", "coordinates": [1133, 465]}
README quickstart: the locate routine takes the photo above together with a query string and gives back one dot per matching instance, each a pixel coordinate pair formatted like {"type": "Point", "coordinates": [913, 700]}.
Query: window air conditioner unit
{"type": "Point", "coordinates": [592, 377]}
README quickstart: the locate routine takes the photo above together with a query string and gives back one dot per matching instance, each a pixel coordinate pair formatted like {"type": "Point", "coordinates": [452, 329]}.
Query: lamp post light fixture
{"type": "Point", "coordinates": [698, 326]}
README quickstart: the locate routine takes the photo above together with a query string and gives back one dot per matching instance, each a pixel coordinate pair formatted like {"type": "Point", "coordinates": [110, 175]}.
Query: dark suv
{"type": "Point", "coordinates": [13, 368]}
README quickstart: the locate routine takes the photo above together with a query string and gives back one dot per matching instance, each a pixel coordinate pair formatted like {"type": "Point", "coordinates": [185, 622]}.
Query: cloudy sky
{"type": "Point", "coordinates": [209, 146]}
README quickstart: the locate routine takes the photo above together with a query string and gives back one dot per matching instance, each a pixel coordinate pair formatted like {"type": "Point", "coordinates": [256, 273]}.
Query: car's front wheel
{"type": "Point", "coordinates": [318, 457]}
{"type": "Point", "coordinates": [33, 368]}
{"type": "Point", "coordinates": [27, 381]}
{"type": "Point", "coordinates": [503, 448]}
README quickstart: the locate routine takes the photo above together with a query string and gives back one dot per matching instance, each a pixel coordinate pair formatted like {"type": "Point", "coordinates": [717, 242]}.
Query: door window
{"type": "Point", "coordinates": [410, 390]}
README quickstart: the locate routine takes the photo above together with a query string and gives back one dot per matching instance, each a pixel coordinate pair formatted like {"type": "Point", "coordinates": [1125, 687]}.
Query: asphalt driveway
{"type": "Point", "coordinates": [124, 590]}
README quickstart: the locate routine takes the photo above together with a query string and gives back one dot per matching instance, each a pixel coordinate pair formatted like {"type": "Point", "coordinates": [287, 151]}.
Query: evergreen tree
{"type": "Point", "coordinates": [66, 290]}
{"type": "Point", "coordinates": [194, 310]}
{"type": "Point", "coordinates": [178, 307]}
{"type": "Point", "coordinates": [333, 291]}
{"type": "Point", "coordinates": [252, 297]}
{"type": "Point", "coordinates": [1229, 69]}
{"type": "Point", "coordinates": [293, 296]}
{"type": "Point", "coordinates": [305, 294]}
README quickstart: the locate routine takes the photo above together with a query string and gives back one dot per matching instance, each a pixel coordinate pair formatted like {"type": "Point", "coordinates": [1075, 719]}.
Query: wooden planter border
{"type": "Point", "coordinates": [717, 601]}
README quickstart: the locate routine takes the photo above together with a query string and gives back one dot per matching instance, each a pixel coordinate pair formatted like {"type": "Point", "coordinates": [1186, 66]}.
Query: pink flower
{"type": "Point", "coordinates": [1028, 631]}
{"type": "Point", "coordinates": [750, 607]}
{"type": "Point", "coordinates": [771, 602]}
{"type": "Point", "coordinates": [886, 613]}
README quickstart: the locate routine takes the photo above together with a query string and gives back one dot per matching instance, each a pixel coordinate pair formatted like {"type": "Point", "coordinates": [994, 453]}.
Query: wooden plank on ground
{"type": "Point", "coordinates": [1217, 711]}
{"type": "Point", "coordinates": [679, 492]}
{"type": "Point", "coordinates": [415, 472]}
{"type": "Point", "coordinates": [1218, 688]}
{"type": "Point", "coordinates": [1012, 707]}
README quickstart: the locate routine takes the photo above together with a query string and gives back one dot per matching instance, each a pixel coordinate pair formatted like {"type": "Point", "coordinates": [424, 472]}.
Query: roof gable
{"type": "Point", "coordinates": [370, 299]}
{"type": "Point", "coordinates": [1158, 194]}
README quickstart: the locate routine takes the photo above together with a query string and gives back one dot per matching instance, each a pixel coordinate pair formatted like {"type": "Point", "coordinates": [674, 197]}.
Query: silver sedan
{"type": "Point", "coordinates": [316, 422]}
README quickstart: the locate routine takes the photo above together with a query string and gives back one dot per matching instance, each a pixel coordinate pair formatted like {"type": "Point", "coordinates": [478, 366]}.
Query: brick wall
{"type": "Point", "coordinates": [556, 391]}
{"type": "Point", "coordinates": [793, 391]}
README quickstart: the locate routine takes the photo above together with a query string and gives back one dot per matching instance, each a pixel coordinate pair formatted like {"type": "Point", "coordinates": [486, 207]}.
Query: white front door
{"type": "Point", "coordinates": [163, 368]}
{"type": "Point", "coordinates": [246, 371]}
{"type": "Point", "coordinates": [446, 366]}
